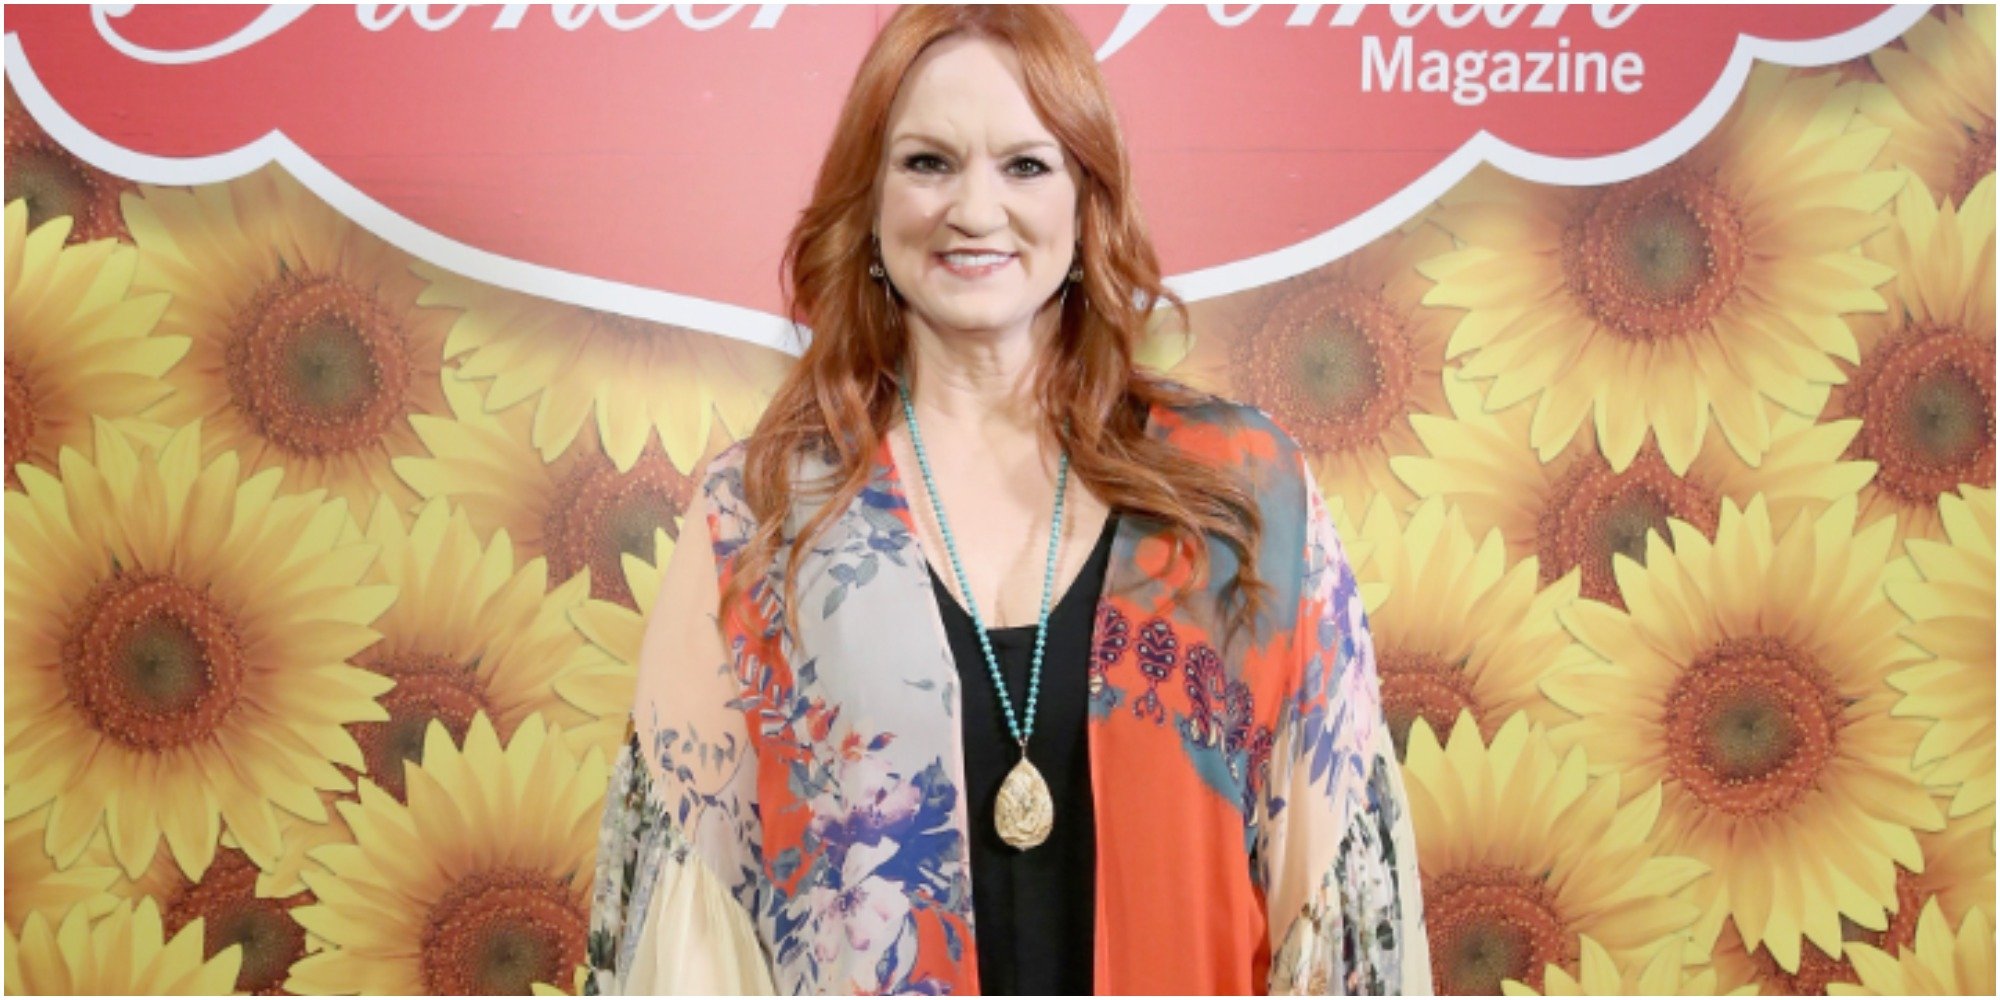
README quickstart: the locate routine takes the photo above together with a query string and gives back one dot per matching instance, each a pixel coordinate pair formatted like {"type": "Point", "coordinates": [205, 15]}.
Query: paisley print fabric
{"type": "Point", "coordinates": [1251, 829]}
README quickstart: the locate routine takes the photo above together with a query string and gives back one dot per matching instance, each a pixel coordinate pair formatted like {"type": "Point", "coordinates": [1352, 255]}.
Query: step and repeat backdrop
{"type": "Point", "coordinates": [359, 362]}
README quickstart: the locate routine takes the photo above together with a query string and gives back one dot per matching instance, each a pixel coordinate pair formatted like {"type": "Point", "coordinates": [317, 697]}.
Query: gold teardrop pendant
{"type": "Point", "coordinates": [1024, 814]}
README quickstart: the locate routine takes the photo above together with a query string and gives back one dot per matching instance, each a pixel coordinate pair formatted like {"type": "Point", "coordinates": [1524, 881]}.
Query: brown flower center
{"type": "Point", "coordinates": [1493, 924]}
{"type": "Point", "coordinates": [1331, 362]}
{"type": "Point", "coordinates": [1818, 970]}
{"type": "Point", "coordinates": [1926, 403]}
{"type": "Point", "coordinates": [502, 931]}
{"type": "Point", "coordinates": [1595, 515]}
{"type": "Point", "coordinates": [56, 183]}
{"type": "Point", "coordinates": [153, 662]}
{"type": "Point", "coordinates": [318, 366]}
{"type": "Point", "coordinates": [232, 913]}
{"type": "Point", "coordinates": [624, 329]}
{"type": "Point", "coordinates": [21, 416]}
{"type": "Point", "coordinates": [1974, 163]}
{"type": "Point", "coordinates": [600, 514]}
{"type": "Point", "coordinates": [1656, 257]}
{"type": "Point", "coordinates": [1750, 726]}
{"type": "Point", "coordinates": [1422, 686]}
{"type": "Point", "coordinates": [428, 688]}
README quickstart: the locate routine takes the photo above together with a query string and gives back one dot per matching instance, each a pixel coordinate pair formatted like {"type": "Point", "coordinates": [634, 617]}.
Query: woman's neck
{"type": "Point", "coordinates": [979, 380]}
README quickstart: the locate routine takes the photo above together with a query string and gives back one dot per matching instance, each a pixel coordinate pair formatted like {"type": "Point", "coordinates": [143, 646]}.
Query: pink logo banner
{"type": "Point", "coordinates": [650, 158]}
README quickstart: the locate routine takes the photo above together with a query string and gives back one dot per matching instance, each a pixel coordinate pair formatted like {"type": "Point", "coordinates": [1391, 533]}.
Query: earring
{"type": "Point", "coordinates": [875, 269]}
{"type": "Point", "coordinates": [1076, 274]}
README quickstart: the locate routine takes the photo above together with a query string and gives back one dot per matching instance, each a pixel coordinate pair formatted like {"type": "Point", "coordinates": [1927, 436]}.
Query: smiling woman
{"type": "Point", "coordinates": [1007, 667]}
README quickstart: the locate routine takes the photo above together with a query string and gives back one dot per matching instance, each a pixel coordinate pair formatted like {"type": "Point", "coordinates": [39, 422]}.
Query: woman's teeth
{"type": "Point", "coordinates": [975, 259]}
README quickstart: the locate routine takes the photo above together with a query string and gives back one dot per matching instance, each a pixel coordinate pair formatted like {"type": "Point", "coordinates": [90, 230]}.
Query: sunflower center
{"type": "Point", "coordinates": [502, 931]}
{"type": "Point", "coordinates": [1974, 163]}
{"type": "Point", "coordinates": [21, 417]}
{"type": "Point", "coordinates": [55, 183]}
{"type": "Point", "coordinates": [1656, 257]}
{"type": "Point", "coordinates": [1595, 515]}
{"type": "Point", "coordinates": [1750, 725]}
{"type": "Point", "coordinates": [1818, 970]}
{"type": "Point", "coordinates": [600, 515]}
{"type": "Point", "coordinates": [232, 913]}
{"type": "Point", "coordinates": [1422, 686]}
{"type": "Point", "coordinates": [1926, 403]}
{"type": "Point", "coordinates": [1334, 364]}
{"type": "Point", "coordinates": [428, 688]}
{"type": "Point", "coordinates": [1902, 929]}
{"type": "Point", "coordinates": [624, 329]}
{"type": "Point", "coordinates": [152, 662]}
{"type": "Point", "coordinates": [1492, 924]}
{"type": "Point", "coordinates": [319, 366]}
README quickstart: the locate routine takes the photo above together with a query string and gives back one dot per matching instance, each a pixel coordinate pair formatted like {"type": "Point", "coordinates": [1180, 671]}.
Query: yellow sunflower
{"type": "Point", "coordinates": [1665, 974]}
{"type": "Point", "coordinates": [1523, 854]}
{"type": "Point", "coordinates": [1749, 674]}
{"type": "Point", "coordinates": [1939, 962]}
{"type": "Point", "coordinates": [1689, 294]}
{"type": "Point", "coordinates": [1937, 98]}
{"type": "Point", "coordinates": [479, 885]}
{"type": "Point", "coordinates": [226, 904]}
{"type": "Point", "coordinates": [298, 838]}
{"type": "Point", "coordinates": [36, 885]}
{"type": "Point", "coordinates": [601, 683]}
{"type": "Point", "coordinates": [471, 631]}
{"type": "Point", "coordinates": [124, 953]}
{"type": "Point", "coordinates": [176, 647]}
{"type": "Point", "coordinates": [79, 344]}
{"type": "Point", "coordinates": [1950, 605]}
{"type": "Point", "coordinates": [1340, 357]}
{"type": "Point", "coordinates": [1957, 875]}
{"type": "Point", "coordinates": [636, 381]}
{"type": "Point", "coordinates": [310, 351]}
{"type": "Point", "coordinates": [1573, 512]}
{"type": "Point", "coordinates": [1923, 388]}
{"type": "Point", "coordinates": [578, 511]}
{"type": "Point", "coordinates": [1456, 627]}
{"type": "Point", "coordinates": [55, 184]}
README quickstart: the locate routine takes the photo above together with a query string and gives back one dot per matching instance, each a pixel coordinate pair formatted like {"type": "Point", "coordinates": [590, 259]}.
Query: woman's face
{"type": "Point", "coordinates": [978, 216]}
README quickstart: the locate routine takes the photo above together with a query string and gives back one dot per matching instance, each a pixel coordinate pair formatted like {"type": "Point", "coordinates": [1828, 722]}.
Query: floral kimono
{"type": "Point", "coordinates": [788, 816]}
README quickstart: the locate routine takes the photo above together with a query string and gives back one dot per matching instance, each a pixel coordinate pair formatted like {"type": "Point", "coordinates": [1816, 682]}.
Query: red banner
{"type": "Point", "coordinates": [666, 148]}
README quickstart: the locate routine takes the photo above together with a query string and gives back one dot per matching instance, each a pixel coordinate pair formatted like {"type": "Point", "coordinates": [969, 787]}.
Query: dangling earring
{"type": "Point", "coordinates": [1075, 277]}
{"type": "Point", "coordinates": [875, 269]}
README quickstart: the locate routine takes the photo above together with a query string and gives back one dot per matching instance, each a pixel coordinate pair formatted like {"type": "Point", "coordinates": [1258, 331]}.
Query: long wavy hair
{"type": "Point", "coordinates": [841, 398]}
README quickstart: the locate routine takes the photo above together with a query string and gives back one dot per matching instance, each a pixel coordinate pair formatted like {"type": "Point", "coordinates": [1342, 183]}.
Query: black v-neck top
{"type": "Point", "coordinates": [1034, 911]}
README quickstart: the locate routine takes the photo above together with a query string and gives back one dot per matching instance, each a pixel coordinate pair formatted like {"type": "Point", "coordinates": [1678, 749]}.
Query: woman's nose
{"type": "Point", "coordinates": [976, 208]}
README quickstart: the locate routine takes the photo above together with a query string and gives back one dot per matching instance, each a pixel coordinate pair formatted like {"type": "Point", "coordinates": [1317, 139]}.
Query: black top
{"type": "Point", "coordinates": [1034, 911]}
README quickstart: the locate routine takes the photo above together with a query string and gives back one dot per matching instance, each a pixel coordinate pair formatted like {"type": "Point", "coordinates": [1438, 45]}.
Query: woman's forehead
{"type": "Point", "coordinates": [966, 89]}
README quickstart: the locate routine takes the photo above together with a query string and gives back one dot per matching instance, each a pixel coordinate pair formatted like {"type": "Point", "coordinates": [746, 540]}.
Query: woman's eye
{"type": "Point", "coordinates": [1028, 166]}
{"type": "Point", "coordinates": [923, 163]}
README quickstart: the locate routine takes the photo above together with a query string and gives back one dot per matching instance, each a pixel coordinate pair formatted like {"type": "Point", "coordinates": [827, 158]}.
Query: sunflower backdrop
{"type": "Point", "coordinates": [1672, 501]}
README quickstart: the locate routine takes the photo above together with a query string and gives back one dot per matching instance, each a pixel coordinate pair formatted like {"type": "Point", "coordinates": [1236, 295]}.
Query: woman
{"type": "Point", "coordinates": [1005, 667]}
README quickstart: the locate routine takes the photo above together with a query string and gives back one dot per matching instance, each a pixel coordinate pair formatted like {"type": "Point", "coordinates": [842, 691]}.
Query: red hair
{"type": "Point", "coordinates": [841, 397]}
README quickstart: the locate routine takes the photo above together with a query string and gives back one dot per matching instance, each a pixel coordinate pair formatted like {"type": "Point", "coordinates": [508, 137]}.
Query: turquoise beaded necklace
{"type": "Point", "coordinates": [1024, 812]}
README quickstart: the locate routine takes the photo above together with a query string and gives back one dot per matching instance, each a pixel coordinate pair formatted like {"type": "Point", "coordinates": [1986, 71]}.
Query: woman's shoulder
{"type": "Point", "coordinates": [1226, 431]}
{"type": "Point", "coordinates": [724, 488]}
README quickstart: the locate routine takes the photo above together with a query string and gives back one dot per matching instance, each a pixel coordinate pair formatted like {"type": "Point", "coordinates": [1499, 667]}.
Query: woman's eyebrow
{"type": "Point", "coordinates": [931, 140]}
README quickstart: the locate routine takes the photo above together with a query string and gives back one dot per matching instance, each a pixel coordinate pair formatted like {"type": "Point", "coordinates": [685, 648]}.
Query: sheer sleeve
{"type": "Point", "coordinates": [679, 875]}
{"type": "Point", "coordinates": [1338, 857]}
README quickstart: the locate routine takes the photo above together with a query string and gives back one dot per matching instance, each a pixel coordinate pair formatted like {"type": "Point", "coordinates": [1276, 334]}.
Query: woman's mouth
{"type": "Point", "coordinates": [974, 264]}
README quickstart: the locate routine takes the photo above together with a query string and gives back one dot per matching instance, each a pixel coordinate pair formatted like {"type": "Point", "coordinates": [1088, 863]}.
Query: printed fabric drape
{"type": "Point", "coordinates": [788, 813]}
